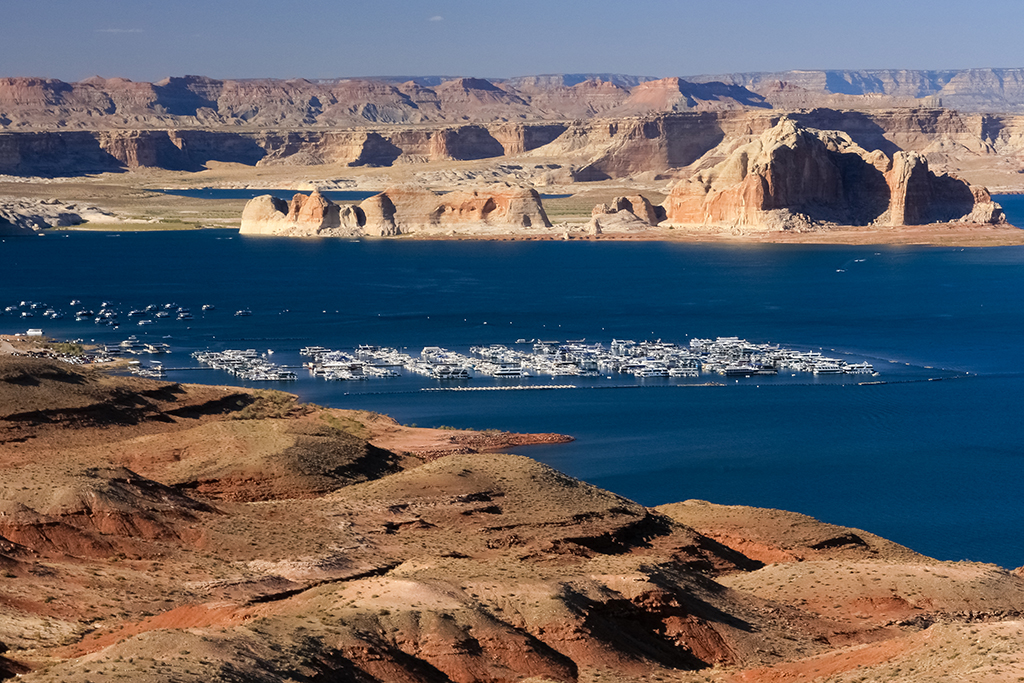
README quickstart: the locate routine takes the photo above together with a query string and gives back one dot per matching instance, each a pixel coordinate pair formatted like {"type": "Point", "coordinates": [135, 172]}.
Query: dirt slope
{"type": "Point", "coordinates": [153, 532]}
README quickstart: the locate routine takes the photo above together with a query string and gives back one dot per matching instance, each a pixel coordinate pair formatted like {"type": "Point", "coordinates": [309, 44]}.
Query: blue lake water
{"type": "Point", "coordinates": [936, 465]}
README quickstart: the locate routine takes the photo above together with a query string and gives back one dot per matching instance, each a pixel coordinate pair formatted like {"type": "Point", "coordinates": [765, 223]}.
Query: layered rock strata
{"type": "Point", "coordinates": [598, 149]}
{"type": "Point", "coordinates": [792, 177]}
{"type": "Point", "coordinates": [400, 210]}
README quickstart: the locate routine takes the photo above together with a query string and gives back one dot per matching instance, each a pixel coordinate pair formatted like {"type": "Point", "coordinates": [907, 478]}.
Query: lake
{"type": "Point", "coordinates": [932, 458]}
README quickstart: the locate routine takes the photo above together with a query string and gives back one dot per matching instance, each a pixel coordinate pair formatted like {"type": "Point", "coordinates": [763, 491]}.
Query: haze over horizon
{"type": "Point", "coordinates": [148, 40]}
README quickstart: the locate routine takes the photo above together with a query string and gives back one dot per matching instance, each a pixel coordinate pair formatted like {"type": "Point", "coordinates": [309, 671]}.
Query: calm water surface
{"type": "Point", "coordinates": [936, 465]}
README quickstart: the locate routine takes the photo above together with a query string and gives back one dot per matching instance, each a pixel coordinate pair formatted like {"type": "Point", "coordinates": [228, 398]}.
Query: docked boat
{"type": "Point", "coordinates": [863, 368]}
{"type": "Point", "coordinates": [450, 372]}
{"type": "Point", "coordinates": [509, 370]}
{"type": "Point", "coordinates": [828, 367]}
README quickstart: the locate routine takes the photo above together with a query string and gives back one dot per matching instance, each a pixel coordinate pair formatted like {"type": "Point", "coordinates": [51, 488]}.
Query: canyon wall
{"type": "Point", "coordinates": [75, 152]}
{"type": "Point", "coordinates": [656, 144]}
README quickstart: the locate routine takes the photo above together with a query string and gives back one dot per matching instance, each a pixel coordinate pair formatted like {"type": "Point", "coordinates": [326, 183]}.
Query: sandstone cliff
{"type": "Point", "coordinates": [586, 150]}
{"type": "Point", "coordinates": [400, 210]}
{"type": "Point", "coordinates": [792, 177]}
{"type": "Point", "coordinates": [304, 216]}
{"type": "Point", "coordinates": [502, 206]}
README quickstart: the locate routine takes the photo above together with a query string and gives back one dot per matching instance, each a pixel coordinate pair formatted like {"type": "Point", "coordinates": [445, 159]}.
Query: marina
{"type": "Point", "coordinates": [247, 365]}
{"type": "Point", "coordinates": [726, 356]}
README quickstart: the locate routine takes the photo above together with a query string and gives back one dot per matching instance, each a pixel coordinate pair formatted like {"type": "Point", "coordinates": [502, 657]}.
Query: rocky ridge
{"type": "Point", "coordinates": [201, 102]}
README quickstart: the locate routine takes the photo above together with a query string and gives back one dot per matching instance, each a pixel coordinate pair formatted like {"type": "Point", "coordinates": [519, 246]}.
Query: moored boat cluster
{"type": "Point", "coordinates": [108, 314]}
{"type": "Point", "coordinates": [247, 365]}
{"type": "Point", "coordinates": [729, 356]}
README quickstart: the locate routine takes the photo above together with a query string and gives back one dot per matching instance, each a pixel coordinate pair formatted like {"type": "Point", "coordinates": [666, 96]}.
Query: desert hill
{"type": "Point", "coordinates": [153, 531]}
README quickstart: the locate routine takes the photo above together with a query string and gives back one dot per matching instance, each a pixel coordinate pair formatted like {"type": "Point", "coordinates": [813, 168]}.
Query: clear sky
{"type": "Point", "coordinates": [146, 40]}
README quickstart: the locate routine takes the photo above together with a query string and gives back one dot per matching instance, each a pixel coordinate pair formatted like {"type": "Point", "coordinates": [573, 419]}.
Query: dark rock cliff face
{"type": "Point", "coordinates": [594, 150]}
{"type": "Point", "coordinates": [76, 152]}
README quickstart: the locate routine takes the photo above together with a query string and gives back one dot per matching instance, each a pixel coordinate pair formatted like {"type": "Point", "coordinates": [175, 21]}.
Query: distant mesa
{"type": "Point", "coordinates": [32, 104]}
{"type": "Point", "coordinates": [678, 95]}
{"type": "Point", "coordinates": [397, 211]}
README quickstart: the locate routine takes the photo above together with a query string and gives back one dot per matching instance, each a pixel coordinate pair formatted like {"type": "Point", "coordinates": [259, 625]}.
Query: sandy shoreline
{"type": "Point", "coordinates": [134, 206]}
{"type": "Point", "coordinates": [945, 235]}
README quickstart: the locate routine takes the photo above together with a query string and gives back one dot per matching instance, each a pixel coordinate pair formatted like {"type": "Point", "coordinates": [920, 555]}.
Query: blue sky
{"type": "Point", "coordinates": [146, 40]}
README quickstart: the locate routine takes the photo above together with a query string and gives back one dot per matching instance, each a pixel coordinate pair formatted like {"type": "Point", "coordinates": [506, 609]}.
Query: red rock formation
{"type": "Point", "coordinates": [379, 212]}
{"type": "Point", "coordinates": [418, 210]}
{"type": "Point", "coordinates": [305, 216]}
{"type": "Point", "coordinates": [918, 197]}
{"type": "Point", "coordinates": [785, 168]}
{"type": "Point", "coordinates": [395, 211]}
{"type": "Point", "coordinates": [314, 209]}
{"type": "Point", "coordinates": [794, 177]}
